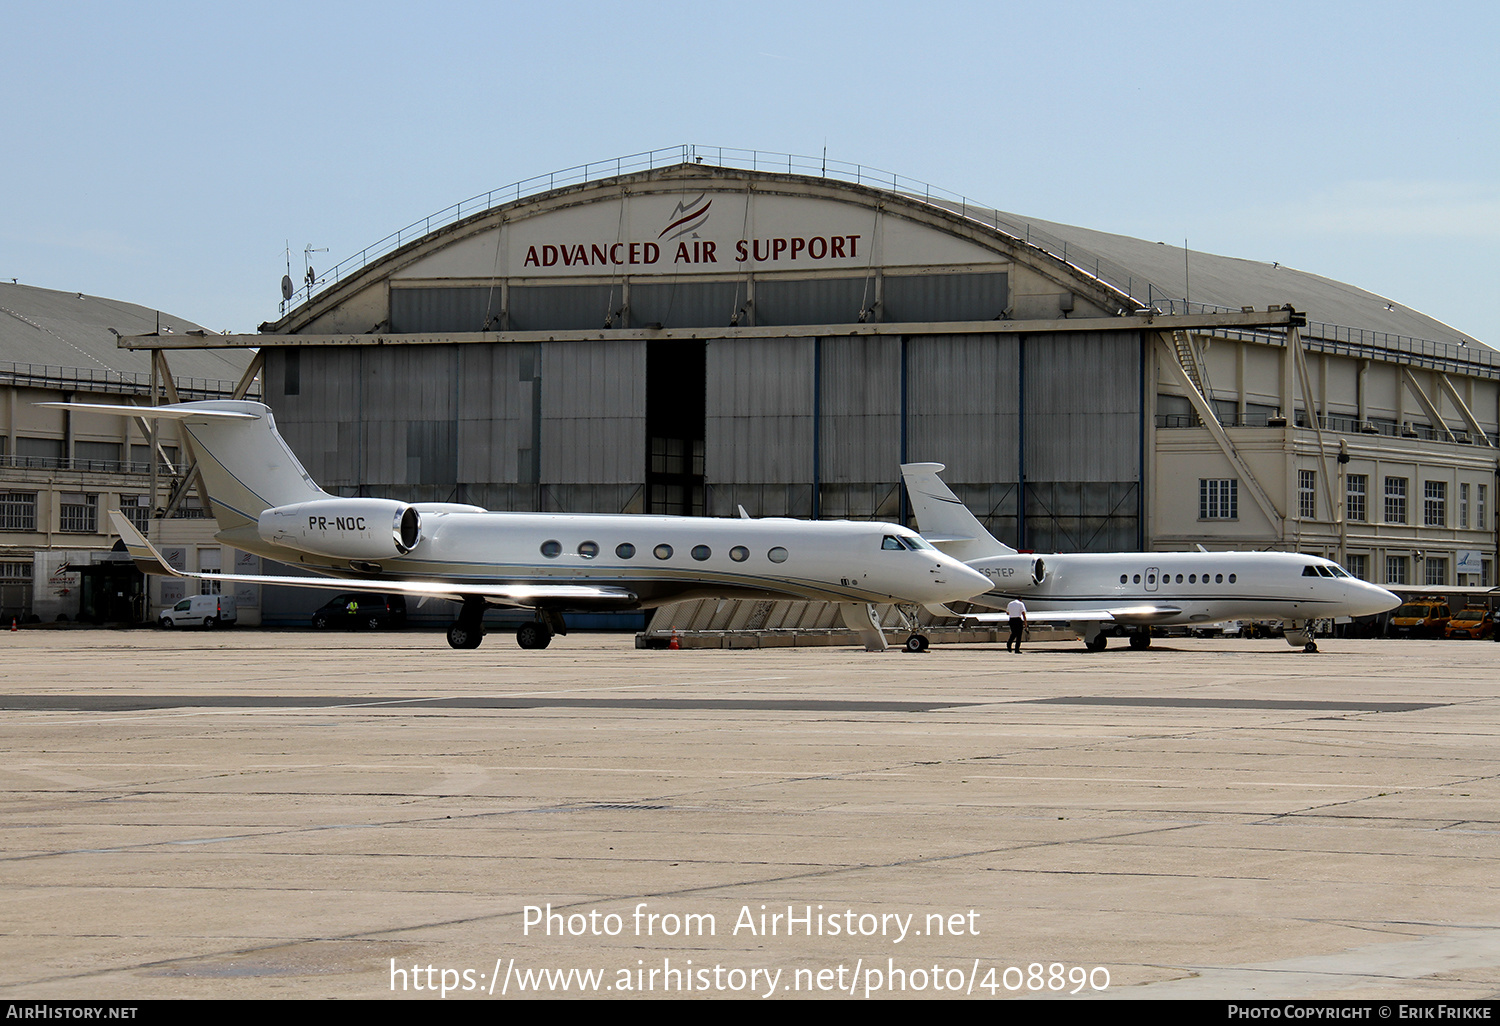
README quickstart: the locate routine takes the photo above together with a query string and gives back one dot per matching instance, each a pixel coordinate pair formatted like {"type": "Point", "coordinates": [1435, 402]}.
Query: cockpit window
{"type": "Point", "coordinates": [1309, 571]}
{"type": "Point", "coordinates": [915, 542]}
{"type": "Point", "coordinates": [892, 542]}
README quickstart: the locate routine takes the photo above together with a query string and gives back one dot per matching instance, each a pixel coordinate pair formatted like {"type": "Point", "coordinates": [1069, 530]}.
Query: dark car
{"type": "Point", "coordinates": [362, 611]}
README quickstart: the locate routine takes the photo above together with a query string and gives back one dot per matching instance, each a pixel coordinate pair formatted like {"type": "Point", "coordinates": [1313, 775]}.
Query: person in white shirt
{"type": "Point", "coordinates": [1016, 610]}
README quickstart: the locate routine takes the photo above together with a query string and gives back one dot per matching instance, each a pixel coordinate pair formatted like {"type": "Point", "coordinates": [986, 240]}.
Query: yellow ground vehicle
{"type": "Point", "coordinates": [1473, 622]}
{"type": "Point", "coordinates": [1420, 618]}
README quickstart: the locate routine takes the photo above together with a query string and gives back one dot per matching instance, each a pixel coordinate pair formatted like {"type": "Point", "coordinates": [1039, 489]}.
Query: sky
{"type": "Point", "coordinates": [170, 154]}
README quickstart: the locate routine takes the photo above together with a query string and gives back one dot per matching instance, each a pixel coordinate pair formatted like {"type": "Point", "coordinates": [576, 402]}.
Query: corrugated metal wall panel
{"type": "Point", "coordinates": [562, 307]}
{"type": "Point", "coordinates": [813, 301]}
{"type": "Point", "coordinates": [494, 413]}
{"type": "Point", "coordinates": [317, 421]}
{"type": "Point", "coordinates": [465, 308]}
{"type": "Point", "coordinates": [861, 411]}
{"type": "Point", "coordinates": [685, 304]}
{"type": "Point", "coordinates": [407, 414]}
{"type": "Point", "coordinates": [1083, 404]}
{"type": "Point", "coordinates": [944, 297]}
{"type": "Point", "coordinates": [1083, 438]}
{"type": "Point", "coordinates": [962, 404]}
{"type": "Point", "coordinates": [758, 444]}
{"type": "Point", "coordinates": [593, 417]}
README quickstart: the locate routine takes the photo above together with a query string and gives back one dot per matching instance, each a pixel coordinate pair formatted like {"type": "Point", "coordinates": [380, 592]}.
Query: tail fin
{"type": "Point", "coordinates": [246, 464]}
{"type": "Point", "coordinates": [942, 517]}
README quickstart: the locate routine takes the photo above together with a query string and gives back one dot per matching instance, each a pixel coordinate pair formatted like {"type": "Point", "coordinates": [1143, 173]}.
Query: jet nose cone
{"type": "Point", "coordinates": [1374, 599]}
{"type": "Point", "coordinates": [954, 581]}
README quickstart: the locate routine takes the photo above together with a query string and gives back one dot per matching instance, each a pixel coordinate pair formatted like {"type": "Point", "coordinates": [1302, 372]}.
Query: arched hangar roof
{"type": "Point", "coordinates": [1210, 280]}
{"type": "Point", "coordinates": [752, 223]}
{"type": "Point", "coordinates": [700, 223]}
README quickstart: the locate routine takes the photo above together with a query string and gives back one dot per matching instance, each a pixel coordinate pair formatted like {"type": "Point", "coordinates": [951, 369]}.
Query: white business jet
{"type": "Point", "coordinates": [1139, 590]}
{"type": "Point", "coordinates": [265, 503]}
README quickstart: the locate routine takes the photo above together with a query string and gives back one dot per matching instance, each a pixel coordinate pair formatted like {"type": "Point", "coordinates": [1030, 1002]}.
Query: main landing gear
{"type": "Point", "coordinates": [468, 630]}
{"type": "Point", "coordinates": [534, 635]}
{"type": "Point", "coordinates": [1093, 637]}
{"type": "Point", "coordinates": [916, 643]}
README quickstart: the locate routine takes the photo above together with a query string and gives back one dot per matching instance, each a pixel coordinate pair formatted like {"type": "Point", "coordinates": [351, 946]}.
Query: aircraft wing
{"type": "Point", "coordinates": [149, 561]}
{"type": "Point", "coordinates": [1138, 614]}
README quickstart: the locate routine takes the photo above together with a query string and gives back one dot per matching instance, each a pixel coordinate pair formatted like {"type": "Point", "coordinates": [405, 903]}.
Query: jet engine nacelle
{"type": "Point", "coordinates": [1013, 573]}
{"type": "Point", "coordinates": [345, 528]}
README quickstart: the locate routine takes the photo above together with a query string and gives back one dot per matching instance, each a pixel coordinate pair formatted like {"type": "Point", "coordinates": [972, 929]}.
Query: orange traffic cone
{"type": "Point", "coordinates": [674, 644]}
{"type": "Point", "coordinates": [13, 623]}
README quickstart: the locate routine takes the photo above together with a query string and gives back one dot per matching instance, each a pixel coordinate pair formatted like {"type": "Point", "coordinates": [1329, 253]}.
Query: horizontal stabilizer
{"type": "Point", "coordinates": [178, 411]}
{"type": "Point", "coordinates": [529, 596]}
{"type": "Point", "coordinates": [245, 465]}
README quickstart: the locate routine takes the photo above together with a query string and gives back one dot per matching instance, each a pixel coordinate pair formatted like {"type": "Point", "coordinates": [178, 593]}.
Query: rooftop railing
{"type": "Point", "coordinates": [18, 462]}
{"type": "Point", "coordinates": [85, 379]}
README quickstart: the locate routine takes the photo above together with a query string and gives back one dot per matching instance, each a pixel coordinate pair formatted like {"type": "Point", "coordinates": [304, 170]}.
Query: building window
{"type": "Point", "coordinates": [1463, 504]}
{"type": "Point", "coordinates": [140, 459]}
{"type": "Point", "coordinates": [1307, 494]}
{"type": "Point", "coordinates": [78, 513]}
{"type": "Point", "coordinates": [1482, 521]}
{"type": "Point", "coordinates": [1436, 575]}
{"type": "Point", "coordinates": [40, 452]}
{"type": "Point", "coordinates": [1395, 569]}
{"type": "Point", "coordinates": [18, 511]}
{"type": "Point", "coordinates": [1395, 500]}
{"type": "Point", "coordinates": [1354, 496]}
{"type": "Point", "coordinates": [210, 561]}
{"type": "Point", "coordinates": [1435, 503]}
{"type": "Point", "coordinates": [1218, 499]}
{"type": "Point", "coordinates": [137, 509]}
{"type": "Point", "coordinates": [1359, 566]}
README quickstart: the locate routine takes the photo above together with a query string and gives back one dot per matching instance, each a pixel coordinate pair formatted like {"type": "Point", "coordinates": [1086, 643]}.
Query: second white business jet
{"type": "Point", "coordinates": [267, 504]}
{"type": "Point", "coordinates": [1139, 590]}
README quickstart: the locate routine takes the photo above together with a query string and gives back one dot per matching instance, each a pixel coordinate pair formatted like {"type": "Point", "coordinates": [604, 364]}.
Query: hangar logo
{"type": "Point", "coordinates": [688, 216]}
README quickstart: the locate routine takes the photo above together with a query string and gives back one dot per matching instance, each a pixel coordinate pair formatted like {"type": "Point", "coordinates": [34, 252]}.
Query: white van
{"type": "Point", "coordinates": [200, 610]}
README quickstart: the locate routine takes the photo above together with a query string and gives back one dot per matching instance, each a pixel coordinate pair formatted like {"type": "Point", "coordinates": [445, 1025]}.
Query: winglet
{"type": "Point", "coordinates": [147, 559]}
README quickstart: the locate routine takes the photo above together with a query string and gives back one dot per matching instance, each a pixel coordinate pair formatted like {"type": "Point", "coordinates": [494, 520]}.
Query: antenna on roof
{"type": "Point", "coordinates": [287, 290]}
{"type": "Point", "coordinates": [307, 252]}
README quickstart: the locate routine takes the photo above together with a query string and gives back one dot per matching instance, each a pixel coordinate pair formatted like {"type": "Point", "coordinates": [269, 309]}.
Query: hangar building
{"type": "Point", "coordinates": [698, 330]}
{"type": "Point", "coordinates": [62, 471]}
